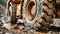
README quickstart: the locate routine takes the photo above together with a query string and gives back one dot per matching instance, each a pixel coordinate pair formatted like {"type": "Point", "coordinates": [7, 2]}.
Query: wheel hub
{"type": "Point", "coordinates": [31, 10]}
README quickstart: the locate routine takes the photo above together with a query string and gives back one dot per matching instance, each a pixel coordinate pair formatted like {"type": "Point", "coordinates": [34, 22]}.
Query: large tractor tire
{"type": "Point", "coordinates": [47, 14]}
{"type": "Point", "coordinates": [38, 13]}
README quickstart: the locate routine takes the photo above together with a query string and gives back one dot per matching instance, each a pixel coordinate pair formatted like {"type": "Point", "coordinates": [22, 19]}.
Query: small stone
{"type": "Point", "coordinates": [6, 33]}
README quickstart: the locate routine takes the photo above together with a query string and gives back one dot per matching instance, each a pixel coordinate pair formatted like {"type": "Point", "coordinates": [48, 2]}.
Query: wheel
{"type": "Point", "coordinates": [41, 18]}
{"type": "Point", "coordinates": [31, 10]}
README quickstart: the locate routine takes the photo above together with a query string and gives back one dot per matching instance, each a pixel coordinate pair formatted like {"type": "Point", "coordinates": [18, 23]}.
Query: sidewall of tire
{"type": "Point", "coordinates": [28, 23]}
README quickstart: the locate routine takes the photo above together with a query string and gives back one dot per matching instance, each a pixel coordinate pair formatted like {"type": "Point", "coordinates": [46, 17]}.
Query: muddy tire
{"type": "Point", "coordinates": [47, 14]}
{"type": "Point", "coordinates": [31, 10]}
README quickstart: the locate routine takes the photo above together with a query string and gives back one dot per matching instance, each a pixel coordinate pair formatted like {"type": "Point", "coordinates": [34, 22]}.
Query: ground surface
{"type": "Point", "coordinates": [21, 29]}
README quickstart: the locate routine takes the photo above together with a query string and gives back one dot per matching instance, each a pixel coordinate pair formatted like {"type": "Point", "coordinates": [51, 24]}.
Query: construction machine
{"type": "Point", "coordinates": [35, 13]}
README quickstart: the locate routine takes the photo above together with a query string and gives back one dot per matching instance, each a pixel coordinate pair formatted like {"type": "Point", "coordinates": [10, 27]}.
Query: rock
{"type": "Point", "coordinates": [7, 25]}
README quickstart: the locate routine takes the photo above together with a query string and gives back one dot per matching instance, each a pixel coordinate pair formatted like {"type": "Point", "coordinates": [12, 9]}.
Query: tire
{"type": "Point", "coordinates": [43, 17]}
{"type": "Point", "coordinates": [47, 14]}
{"type": "Point", "coordinates": [30, 18]}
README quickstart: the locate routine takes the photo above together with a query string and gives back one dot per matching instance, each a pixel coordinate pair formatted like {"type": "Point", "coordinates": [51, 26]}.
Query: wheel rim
{"type": "Point", "coordinates": [31, 10]}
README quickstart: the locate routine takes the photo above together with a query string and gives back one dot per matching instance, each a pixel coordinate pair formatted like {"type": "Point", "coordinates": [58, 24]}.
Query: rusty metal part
{"type": "Point", "coordinates": [13, 19]}
{"type": "Point", "coordinates": [14, 8]}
